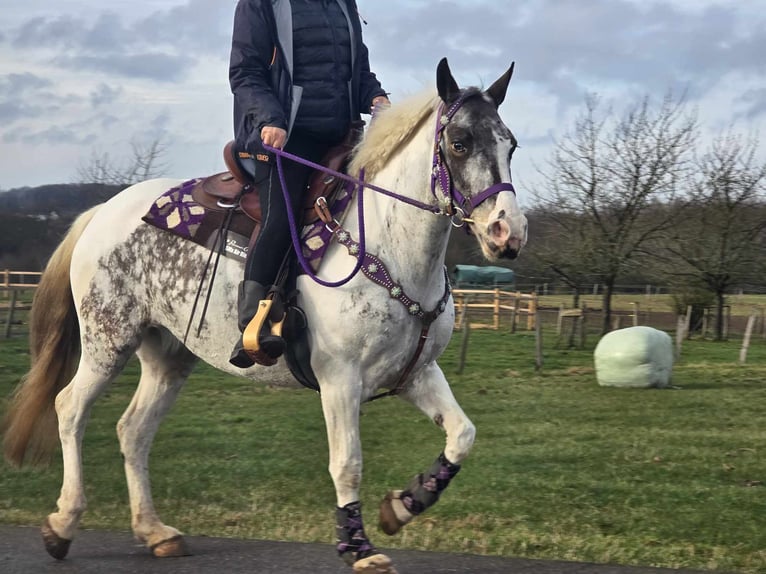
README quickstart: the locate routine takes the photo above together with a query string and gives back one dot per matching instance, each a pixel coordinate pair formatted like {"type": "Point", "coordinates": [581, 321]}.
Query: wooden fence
{"type": "Point", "coordinates": [14, 285]}
{"type": "Point", "coordinates": [23, 279]}
{"type": "Point", "coordinates": [471, 303]}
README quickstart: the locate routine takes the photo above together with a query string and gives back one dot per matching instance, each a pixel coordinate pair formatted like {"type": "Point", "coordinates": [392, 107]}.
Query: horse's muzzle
{"type": "Point", "coordinates": [503, 242]}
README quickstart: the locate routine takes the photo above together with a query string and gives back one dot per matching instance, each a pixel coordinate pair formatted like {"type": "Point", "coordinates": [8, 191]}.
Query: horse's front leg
{"type": "Point", "coordinates": [430, 392]}
{"type": "Point", "coordinates": [340, 405]}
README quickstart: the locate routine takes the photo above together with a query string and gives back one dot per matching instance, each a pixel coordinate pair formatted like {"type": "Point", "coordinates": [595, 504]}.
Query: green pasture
{"type": "Point", "coordinates": [561, 469]}
{"type": "Point", "coordinates": [741, 305]}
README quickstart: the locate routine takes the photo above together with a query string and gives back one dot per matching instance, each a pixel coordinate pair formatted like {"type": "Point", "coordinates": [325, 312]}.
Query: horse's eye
{"type": "Point", "coordinates": [458, 147]}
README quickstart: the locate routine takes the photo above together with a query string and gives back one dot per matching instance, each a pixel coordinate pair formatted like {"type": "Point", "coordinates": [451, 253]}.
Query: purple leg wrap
{"type": "Point", "coordinates": [424, 489]}
{"type": "Point", "coordinates": [352, 541]}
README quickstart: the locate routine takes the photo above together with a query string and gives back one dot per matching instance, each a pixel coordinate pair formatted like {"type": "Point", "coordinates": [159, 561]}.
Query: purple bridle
{"type": "Point", "coordinates": [452, 204]}
{"type": "Point", "coordinates": [458, 206]}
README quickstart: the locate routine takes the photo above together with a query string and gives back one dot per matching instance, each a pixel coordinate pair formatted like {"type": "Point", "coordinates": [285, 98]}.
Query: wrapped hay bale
{"type": "Point", "coordinates": [636, 357]}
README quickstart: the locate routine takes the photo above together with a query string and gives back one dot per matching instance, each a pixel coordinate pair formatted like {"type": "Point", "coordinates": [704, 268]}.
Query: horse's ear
{"type": "Point", "coordinates": [445, 83]}
{"type": "Point", "coordinates": [497, 90]}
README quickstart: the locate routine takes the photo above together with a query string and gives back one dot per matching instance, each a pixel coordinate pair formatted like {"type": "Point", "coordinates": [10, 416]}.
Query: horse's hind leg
{"type": "Point", "coordinates": [165, 366]}
{"type": "Point", "coordinates": [73, 406]}
{"type": "Point", "coordinates": [431, 393]}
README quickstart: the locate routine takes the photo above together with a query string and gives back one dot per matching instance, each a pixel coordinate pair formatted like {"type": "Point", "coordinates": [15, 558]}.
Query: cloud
{"type": "Point", "coordinates": [199, 27]}
{"type": "Point", "coordinates": [574, 47]}
{"type": "Point", "coordinates": [79, 71]}
{"type": "Point", "coordinates": [149, 65]}
{"type": "Point", "coordinates": [104, 95]}
{"type": "Point", "coordinates": [17, 97]}
{"type": "Point", "coordinates": [52, 135]}
{"type": "Point", "coordinates": [162, 46]}
{"type": "Point", "coordinates": [19, 85]}
{"type": "Point", "coordinates": [755, 102]}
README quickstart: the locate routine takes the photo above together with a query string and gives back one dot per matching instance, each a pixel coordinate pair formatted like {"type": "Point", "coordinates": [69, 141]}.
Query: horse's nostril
{"type": "Point", "coordinates": [501, 215]}
{"type": "Point", "coordinates": [500, 231]}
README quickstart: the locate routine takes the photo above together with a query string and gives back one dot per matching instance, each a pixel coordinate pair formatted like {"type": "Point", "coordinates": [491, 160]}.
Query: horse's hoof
{"type": "Point", "coordinates": [375, 564]}
{"type": "Point", "coordinates": [171, 548]}
{"type": "Point", "coordinates": [393, 515]}
{"type": "Point", "coordinates": [55, 545]}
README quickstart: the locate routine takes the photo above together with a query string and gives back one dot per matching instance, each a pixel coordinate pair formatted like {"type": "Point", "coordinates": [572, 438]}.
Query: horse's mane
{"type": "Point", "coordinates": [388, 130]}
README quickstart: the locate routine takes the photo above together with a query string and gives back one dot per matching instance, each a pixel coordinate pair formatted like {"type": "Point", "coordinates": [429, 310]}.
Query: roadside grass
{"type": "Point", "coordinates": [561, 469]}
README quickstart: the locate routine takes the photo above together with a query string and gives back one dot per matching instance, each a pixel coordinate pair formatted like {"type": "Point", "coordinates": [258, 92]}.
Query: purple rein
{"type": "Point", "coordinates": [440, 177]}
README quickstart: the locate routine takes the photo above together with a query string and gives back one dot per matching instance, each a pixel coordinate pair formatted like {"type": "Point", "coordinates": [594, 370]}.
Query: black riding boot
{"type": "Point", "coordinates": [249, 296]}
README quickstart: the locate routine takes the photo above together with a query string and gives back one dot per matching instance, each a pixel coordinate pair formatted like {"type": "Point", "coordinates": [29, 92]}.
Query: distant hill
{"type": "Point", "coordinates": [34, 219]}
{"type": "Point", "coordinates": [66, 200]}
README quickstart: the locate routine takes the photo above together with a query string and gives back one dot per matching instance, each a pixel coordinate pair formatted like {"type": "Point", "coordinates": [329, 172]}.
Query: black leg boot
{"type": "Point", "coordinates": [250, 295]}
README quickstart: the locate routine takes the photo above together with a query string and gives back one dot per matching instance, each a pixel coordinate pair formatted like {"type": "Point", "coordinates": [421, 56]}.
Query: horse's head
{"type": "Point", "coordinates": [476, 149]}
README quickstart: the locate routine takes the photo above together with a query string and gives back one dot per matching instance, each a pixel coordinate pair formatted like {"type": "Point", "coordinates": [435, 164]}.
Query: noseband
{"type": "Point", "coordinates": [453, 203]}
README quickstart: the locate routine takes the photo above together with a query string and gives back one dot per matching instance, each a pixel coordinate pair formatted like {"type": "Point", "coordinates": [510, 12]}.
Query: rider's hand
{"type": "Point", "coordinates": [379, 101]}
{"type": "Point", "coordinates": [274, 137]}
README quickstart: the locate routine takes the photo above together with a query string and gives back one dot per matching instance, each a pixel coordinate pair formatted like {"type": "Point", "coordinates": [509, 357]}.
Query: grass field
{"type": "Point", "coordinates": [663, 303]}
{"type": "Point", "coordinates": [561, 468]}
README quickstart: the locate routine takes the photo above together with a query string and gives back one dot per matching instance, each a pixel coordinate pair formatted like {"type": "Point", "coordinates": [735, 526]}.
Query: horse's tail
{"type": "Point", "coordinates": [30, 427]}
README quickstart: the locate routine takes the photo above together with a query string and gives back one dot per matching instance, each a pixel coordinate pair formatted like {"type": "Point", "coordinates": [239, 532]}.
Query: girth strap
{"type": "Point", "coordinates": [397, 388]}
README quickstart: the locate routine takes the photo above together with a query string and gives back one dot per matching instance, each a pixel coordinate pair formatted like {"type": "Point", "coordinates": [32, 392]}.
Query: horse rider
{"type": "Point", "coordinates": [300, 75]}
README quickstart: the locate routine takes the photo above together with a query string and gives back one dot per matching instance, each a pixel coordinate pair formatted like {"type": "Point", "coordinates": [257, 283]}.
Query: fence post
{"type": "Point", "coordinates": [746, 339]}
{"type": "Point", "coordinates": [688, 323]}
{"type": "Point", "coordinates": [496, 309]}
{"type": "Point", "coordinates": [515, 312]}
{"type": "Point", "coordinates": [705, 321]}
{"type": "Point", "coordinates": [680, 334]}
{"type": "Point", "coordinates": [635, 313]}
{"type": "Point", "coordinates": [464, 345]}
{"type": "Point", "coordinates": [458, 299]}
{"type": "Point", "coordinates": [9, 318]}
{"type": "Point", "coordinates": [538, 343]}
{"type": "Point", "coordinates": [532, 312]}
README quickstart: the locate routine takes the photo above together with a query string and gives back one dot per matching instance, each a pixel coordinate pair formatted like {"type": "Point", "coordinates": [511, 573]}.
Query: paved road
{"type": "Point", "coordinates": [97, 552]}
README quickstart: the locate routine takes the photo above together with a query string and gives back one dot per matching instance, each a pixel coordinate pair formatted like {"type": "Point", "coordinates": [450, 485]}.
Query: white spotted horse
{"type": "Point", "coordinates": [117, 286]}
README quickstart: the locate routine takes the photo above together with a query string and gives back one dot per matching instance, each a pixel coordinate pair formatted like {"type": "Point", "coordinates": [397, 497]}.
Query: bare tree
{"type": "Point", "coordinates": [606, 183]}
{"type": "Point", "coordinates": [549, 248]}
{"type": "Point", "coordinates": [722, 239]}
{"type": "Point", "coordinates": [145, 162]}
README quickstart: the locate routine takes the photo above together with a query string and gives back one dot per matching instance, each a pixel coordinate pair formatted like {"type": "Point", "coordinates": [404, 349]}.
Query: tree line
{"type": "Point", "coordinates": [642, 196]}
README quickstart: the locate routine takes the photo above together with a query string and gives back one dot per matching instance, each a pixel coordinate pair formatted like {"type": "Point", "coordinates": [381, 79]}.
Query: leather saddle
{"type": "Point", "coordinates": [236, 188]}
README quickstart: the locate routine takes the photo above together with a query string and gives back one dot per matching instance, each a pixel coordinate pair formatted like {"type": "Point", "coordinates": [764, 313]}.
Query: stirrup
{"type": "Point", "coordinates": [264, 344]}
{"type": "Point", "coordinates": [276, 328]}
{"type": "Point", "coordinates": [251, 334]}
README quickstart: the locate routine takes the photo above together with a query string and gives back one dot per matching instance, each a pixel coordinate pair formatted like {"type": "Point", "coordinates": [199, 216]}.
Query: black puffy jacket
{"type": "Point", "coordinates": [261, 71]}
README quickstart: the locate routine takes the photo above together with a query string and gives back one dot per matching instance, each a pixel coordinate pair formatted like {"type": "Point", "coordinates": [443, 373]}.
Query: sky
{"type": "Point", "coordinates": [80, 78]}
